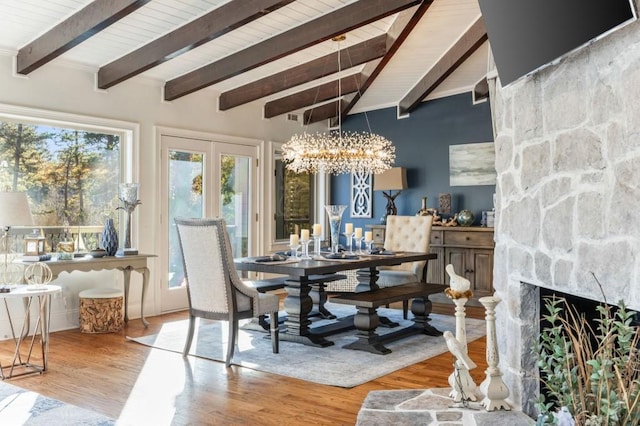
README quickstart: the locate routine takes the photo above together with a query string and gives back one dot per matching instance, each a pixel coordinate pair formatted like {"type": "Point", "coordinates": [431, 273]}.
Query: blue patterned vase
{"type": "Point", "coordinates": [110, 238]}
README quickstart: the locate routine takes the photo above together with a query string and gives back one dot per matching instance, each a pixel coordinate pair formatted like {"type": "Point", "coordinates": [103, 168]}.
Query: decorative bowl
{"type": "Point", "coordinates": [98, 253]}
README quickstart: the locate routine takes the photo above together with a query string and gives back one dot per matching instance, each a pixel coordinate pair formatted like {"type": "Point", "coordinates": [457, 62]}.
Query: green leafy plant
{"type": "Point", "coordinates": [594, 371]}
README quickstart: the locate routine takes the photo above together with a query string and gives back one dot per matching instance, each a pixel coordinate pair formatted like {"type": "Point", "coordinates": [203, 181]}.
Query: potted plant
{"type": "Point", "coordinates": [591, 373]}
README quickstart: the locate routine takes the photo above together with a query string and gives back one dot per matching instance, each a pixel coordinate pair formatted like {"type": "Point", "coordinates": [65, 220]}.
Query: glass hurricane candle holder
{"type": "Point", "coordinates": [335, 217]}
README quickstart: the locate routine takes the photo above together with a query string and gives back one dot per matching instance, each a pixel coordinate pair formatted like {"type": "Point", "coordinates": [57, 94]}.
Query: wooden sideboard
{"type": "Point", "coordinates": [469, 250]}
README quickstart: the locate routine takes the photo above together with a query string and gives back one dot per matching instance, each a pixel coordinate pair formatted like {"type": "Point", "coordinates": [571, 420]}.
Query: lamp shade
{"type": "Point", "coordinates": [393, 179]}
{"type": "Point", "coordinates": [14, 209]}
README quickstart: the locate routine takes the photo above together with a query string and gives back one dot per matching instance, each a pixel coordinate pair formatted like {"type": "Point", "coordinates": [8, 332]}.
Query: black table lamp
{"type": "Point", "coordinates": [393, 179]}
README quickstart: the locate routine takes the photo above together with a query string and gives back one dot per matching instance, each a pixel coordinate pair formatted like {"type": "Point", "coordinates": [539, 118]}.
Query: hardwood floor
{"type": "Point", "coordinates": [108, 374]}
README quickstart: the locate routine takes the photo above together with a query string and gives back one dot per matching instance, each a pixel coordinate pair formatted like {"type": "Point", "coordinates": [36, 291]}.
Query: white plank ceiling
{"type": "Point", "coordinates": [22, 21]}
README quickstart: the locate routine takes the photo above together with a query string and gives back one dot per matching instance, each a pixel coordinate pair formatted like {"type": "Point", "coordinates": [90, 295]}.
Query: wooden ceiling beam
{"type": "Point", "coordinates": [322, 112]}
{"type": "Point", "coordinates": [312, 96]}
{"type": "Point", "coordinates": [92, 19]}
{"type": "Point", "coordinates": [357, 54]}
{"type": "Point", "coordinates": [214, 24]}
{"type": "Point", "coordinates": [320, 29]}
{"type": "Point", "coordinates": [468, 43]}
{"type": "Point", "coordinates": [399, 31]}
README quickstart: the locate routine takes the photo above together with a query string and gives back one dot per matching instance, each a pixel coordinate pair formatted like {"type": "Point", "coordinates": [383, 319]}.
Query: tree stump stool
{"type": "Point", "coordinates": [101, 310]}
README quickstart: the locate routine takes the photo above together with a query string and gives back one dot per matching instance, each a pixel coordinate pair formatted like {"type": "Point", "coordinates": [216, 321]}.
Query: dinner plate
{"type": "Point", "coordinates": [340, 256]}
{"type": "Point", "coordinates": [274, 258]}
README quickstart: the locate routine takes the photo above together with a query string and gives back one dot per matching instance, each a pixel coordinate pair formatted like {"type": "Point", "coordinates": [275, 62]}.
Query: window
{"type": "Point", "coordinates": [69, 170]}
{"type": "Point", "coordinates": [294, 201]}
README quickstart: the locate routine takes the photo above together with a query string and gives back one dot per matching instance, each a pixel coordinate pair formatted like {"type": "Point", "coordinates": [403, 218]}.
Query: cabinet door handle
{"type": "Point", "coordinates": [468, 271]}
{"type": "Point", "coordinates": [467, 238]}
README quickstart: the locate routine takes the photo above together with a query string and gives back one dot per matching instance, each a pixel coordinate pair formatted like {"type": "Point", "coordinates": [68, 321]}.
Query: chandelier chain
{"type": "Point", "coordinates": [338, 152]}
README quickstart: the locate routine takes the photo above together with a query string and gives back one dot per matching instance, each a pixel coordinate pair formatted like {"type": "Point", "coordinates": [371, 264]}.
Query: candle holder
{"type": "Point", "coordinates": [305, 249]}
{"type": "Point", "coordinates": [349, 237]}
{"type": "Point", "coordinates": [129, 196]}
{"type": "Point", "coordinates": [369, 245]}
{"type": "Point", "coordinates": [359, 245]}
{"type": "Point", "coordinates": [294, 252]}
{"type": "Point", "coordinates": [317, 246]}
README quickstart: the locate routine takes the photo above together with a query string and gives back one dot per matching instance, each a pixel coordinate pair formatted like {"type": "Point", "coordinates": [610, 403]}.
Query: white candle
{"type": "Point", "coordinates": [368, 236]}
{"type": "Point", "coordinates": [348, 228]}
{"type": "Point", "coordinates": [358, 232]}
{"type": "Point", "coordinates": [304, 235]}
{"type": "Point", "coordinates": [317, 229]}
{"type": "Point", "coordinates": [294, 240]}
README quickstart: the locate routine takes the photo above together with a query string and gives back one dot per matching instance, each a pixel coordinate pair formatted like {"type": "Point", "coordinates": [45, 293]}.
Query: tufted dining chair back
{"type": "Point", "coordinates": [214, 287]}
{"type": "Point", "coordinates": [408, 233]}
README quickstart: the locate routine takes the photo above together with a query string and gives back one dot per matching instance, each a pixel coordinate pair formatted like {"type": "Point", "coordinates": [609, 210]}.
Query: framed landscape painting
{"type": "Point", "coordinates": [472, 164]}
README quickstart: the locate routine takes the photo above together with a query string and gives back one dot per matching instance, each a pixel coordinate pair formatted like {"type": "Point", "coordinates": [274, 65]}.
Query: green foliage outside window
{"type": "Point", "coordinates": [71, 176]}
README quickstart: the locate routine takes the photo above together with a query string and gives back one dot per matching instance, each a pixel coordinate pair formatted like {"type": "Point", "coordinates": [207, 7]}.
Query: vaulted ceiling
{"type": "Point", "coordinates": [281, 53]}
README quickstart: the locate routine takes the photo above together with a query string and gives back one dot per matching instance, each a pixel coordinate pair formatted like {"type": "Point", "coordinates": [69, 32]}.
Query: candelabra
{"type": "Point", "coordinates": [493, 386]}
{"type": "Point", "coordinates": [463, 387]}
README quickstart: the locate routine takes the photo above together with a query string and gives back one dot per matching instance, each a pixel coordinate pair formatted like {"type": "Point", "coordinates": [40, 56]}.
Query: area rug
{"type": "Point", "coordinates": [22, 407]}
{"type": "Point", "coordinates": [332, 365]}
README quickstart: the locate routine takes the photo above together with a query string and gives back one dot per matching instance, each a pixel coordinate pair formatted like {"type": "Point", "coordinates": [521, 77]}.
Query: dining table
{"type": "Point", "coordinates": [303, 274]}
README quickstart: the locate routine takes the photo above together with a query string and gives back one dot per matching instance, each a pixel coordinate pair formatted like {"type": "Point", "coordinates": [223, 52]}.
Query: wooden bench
{"type": "Point", "coordinates": [366, 320]}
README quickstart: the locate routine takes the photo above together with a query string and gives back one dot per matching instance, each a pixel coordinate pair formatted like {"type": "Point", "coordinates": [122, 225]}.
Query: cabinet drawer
{"type": "Point", "coordinates": [378, 235]}
{"type": "Point", "coordinates": [469, 239]}
{"type": "Point", "coordinates": [436, 238]}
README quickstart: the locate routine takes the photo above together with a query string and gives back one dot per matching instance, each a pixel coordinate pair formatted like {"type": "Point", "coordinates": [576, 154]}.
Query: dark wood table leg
{"type": "Point", "coordinates": [366, 322]}
{"type": "Point", "coordinates": [319, 297]}
{"type": "Point", "coordinates": [367, 281]}
{"type": "Point", "coordinates": [298, 305]}
{"type": "Point", "coordinates": [421, 308]}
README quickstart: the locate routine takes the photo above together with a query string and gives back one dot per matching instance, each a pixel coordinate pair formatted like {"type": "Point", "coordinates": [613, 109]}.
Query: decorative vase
{"type": "Point", "coordinates": [110, 238]}
{"type": "Point", "coordinates": [465, 218]}
{"type": "Point", "coordinates": [335, 217]}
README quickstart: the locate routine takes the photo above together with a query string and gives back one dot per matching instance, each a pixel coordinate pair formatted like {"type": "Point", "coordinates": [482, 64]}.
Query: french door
{"type": "Point", "coordinates": [204, 178]}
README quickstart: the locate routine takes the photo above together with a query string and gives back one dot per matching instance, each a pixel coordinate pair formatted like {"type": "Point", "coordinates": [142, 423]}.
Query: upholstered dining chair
{"type": "Point", "coordinates": [214, 287]}
{"type": "Point", "coordinates": [406, 233]}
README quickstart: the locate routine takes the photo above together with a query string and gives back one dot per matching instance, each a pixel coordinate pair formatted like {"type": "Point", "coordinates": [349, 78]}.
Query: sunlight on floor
{"type": "Point", "coordinates": [17, 408]}
{"type": "Point", "coordinates": [153, 401]}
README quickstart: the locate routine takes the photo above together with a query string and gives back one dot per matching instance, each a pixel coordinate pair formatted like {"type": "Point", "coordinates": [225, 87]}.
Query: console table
{"type": "Point", "coordinates": [126, 264]}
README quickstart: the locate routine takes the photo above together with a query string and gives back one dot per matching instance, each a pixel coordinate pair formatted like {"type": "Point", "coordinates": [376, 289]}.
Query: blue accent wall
{"type": "Point", "coordinates": [422, 146]}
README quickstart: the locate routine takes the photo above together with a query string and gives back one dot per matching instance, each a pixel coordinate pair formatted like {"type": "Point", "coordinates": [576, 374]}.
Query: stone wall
{"type": "Point", "coordinates": [568, 191]}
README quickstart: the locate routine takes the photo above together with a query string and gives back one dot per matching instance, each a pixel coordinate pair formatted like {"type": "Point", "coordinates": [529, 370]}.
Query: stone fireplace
{"type": "Point", "coordinates": [567, 143]}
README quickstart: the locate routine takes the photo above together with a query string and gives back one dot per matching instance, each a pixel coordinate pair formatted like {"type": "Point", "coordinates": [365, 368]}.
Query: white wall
{"type": "Point", "coordinates": [59, 87]}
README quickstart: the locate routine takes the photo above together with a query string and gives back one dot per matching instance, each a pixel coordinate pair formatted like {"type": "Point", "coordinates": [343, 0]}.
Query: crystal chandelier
{"type": "Point", "coordinates": [337, 152]}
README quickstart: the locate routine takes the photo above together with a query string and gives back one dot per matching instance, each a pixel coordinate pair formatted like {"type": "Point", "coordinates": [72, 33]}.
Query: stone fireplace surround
{"type": "Point", "coordinates": [567, 143]}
